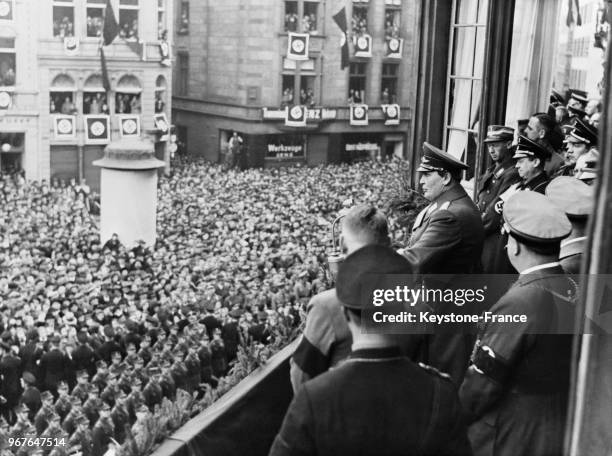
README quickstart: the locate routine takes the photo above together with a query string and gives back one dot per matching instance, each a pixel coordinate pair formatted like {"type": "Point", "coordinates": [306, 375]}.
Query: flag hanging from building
{"type": "Point", "coordinates": [392, 114]}
{"type": "Point", "coordinates": [394, 48]}
{"type": "Point", "coordinates": [111, 27]}
{"type": "Point", "coordinates": [105, 79]}
{"type": "Point", "coordinates": [297, 46]}
{"type": "Point", "coordinates": [363, 46]}
{"type": "Point", "coordinates": [359, 114]}
{"type": "Point", "coordinates": [296, 116]}
{"type": "Point", "coordinates": [340, 20]}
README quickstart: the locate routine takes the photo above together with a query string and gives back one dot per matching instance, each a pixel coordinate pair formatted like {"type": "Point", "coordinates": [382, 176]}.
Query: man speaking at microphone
{"type": "Point", "coordinates": [447, 238]}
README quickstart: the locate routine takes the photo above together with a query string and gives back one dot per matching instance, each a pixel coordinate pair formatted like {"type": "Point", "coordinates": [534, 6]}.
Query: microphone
{"type": "Point", "coordinates": [335, 257]}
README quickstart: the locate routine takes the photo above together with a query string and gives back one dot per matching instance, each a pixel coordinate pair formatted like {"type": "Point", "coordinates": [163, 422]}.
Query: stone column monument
{"type": "Point", "coordinates": [128, 191]}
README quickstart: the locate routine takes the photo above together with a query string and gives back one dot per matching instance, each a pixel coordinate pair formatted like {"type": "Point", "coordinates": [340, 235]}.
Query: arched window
{"type": "Point", "coordinates": [160, 94]}
{"type": "Point", "coordinates": [127, 98]}
{"type": "Point", "coordinates": [62, 95]}
{"type": "Point", "coordinates": [94, 96]}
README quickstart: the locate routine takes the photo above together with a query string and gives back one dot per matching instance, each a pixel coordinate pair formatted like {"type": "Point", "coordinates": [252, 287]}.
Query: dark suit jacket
{"type": "Point", "coordinates": [53, 365]}
{"type": "Point", "coordinates": [10, 384]}
{"type": "Point", "coordinates": [375, 403]}
{"type": "Point", "coordinates": [536, 184]}
{"type": "Point", "coordinates": [84, 358]}
{"type": "Point", "coordinates": [447, 237]}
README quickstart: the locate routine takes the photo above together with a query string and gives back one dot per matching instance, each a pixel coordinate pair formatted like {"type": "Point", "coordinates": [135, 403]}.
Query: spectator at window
{"type": "Point", "coordinates": [68, 106]}
{"type": "Point", "coordinates": [135, 104]}
{"type": "Point", "coordinates": [385, 98]}
{"type": "Point", "coordinates": [287, 98]}
{"type": "Point", "coordinates": [310, 101]}
{"type": "Point", "coordinates": [291, 22]}
{"type": "Point", "coordinates": [7, 73]}
{"type": "Point", "coordinates": [159, 103]}
{"type": "Point", "coordinates": [184, 24]}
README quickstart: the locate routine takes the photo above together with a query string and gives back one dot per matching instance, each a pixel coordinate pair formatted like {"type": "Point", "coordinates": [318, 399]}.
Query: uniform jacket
{"type": "Point", "coordinates": [31, 398]}
{"type": "Point", "coordinates": [447, 236]}
{"type": "Point", "coordinates": [101, 435]}
{"type": "Point", "coordinates": [84, 358]}
{"type": "Point", "coordinates": [493, 183]}
{"type": "Point", "coordinates": [376, 402]}
{"type": "Point", "coordinates": [536, 184]}
{"type": "Point", "coordinates": [515, 392]}
{"type": "Point", "coordinates": [53, 365]}
{"type": "Point", "coordinates": [326, 339]}
{"type": "Point", "coordinates": [10, 376]}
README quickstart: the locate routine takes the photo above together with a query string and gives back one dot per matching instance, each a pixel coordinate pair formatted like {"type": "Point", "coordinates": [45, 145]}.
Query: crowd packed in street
{"type": "Point", "coordinates": [96, 338]}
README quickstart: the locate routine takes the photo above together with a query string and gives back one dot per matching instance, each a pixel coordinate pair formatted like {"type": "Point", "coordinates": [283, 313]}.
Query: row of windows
{"type": "Point", "coordinates": [8, 69]}
{"type": "Point", "coordinates": [63, 96]}
{"type": "Point", "coordinates": [64, 18]}
{"type": "Point", "coordinates": [580, 47]}
{"type": "Point", "coordinates": [305, 16]}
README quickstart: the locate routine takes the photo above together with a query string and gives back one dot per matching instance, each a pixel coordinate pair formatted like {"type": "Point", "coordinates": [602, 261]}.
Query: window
{"type": "Point", "coordinates": [94, 96]}
{"type": "Point", "coordinates": [305, 76]}
{"type": "Point", "coordinates": [7, 62]}
{"type": "Point", "coordinates": [127, 97]}
{"type": "Point", "coordinates": [128, 19]}
{"type": "Point", "coordinates": [160, 94]}
{"type": "Point", "coordinates": [63, 18]}
{"type": "Point", "coordinates": [392, 21]}
{"type": "Point", "coordinates": [388, 90]}
{"type": "Point", "coordinates": [357, 82]}
{"type": "Point", "coordinates": [62, 95]}
{"type": "Point", "coordinates": [183, 19]}
{"type": "Point", "coordinates": [181, 140]}
{"type": "Point", "coordinates": [464, 80]}
{"type": "Point", "coordinates": [302, 16]}
{"type": "Point", "coordinates": [95, 17]}
{"type": "Point", "coordinates": [12, 151]}
{"type": "Point", "coordinates": [182, 76]}
{"type": "Point", "coordinates": [288, 87]}
{"type": "Point", "coordinates": [359, 20]}
{"type": "Point", "coordinates": [310, 18]}
{"type": "Point", "coordinates": [161, 18]}
{"type": "Point", "coordinates": [291, 16]}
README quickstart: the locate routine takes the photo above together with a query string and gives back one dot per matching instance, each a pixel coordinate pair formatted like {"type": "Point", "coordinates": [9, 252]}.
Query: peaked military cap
{"type": "Point", "coordinates": [435, 159]}
{"type": "Point", "coordinates": [572, 195]}
{"type": "Point", "coordinates": [576, 112]}
{"type": "Point", "coordinates": [579, 95]}
{"type": "Point", "coordinates": [497, 133]}
{"type": "Point", "coordinates": [533, 218]}
{"type": "Point", "coordinates": [531, 149]}
{"type": "Point", "coordinates": [584, 133]}
{"type": "Point", "coordinates": [361, 265]}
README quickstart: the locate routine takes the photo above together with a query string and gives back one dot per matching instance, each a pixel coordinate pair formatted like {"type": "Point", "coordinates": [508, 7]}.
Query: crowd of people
{"type": "Point", "coordinates": [359, 21]}
{"type": "Point", "coordinates": [95, 103]}
{"type": "Point", "coordinates": [63, 28]}
{"type": "Point", "coordinates": [95, 337]}
{"type": "Point", "coordinates": [7, 70]}
{"type": "Point", "coordinates": [95, 25]}
{"type": "Point", "coordinates": [127, 103]}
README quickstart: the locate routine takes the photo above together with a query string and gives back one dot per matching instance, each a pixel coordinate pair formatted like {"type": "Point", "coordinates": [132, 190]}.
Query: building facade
{"type": "Point", "coordinates": [234, 72]}
{"type": "Point", "coordinates": [56, 116]}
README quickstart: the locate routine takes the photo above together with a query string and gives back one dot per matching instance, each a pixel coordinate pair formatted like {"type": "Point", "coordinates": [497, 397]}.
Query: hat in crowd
{"type": "Point", "coordinates": [586, 166]}
{"type": "Point", "coordinates": [583, 132]}
{"type": "Point", "coordinates": [75, 400]}
{"type": "Point", "coordinates": [46, 396]}
{"type": "Point", "coordinates": [579, 95]}
{"type": "Point", "coordinates": [108, 331]}
{"type": "Point", "coordinates": [29, 378]}
{"type": "Point", "coordinates": [573, 196]}
{"type": "Point", "coordinates": [556, 97]}
{"type": "Point", "coordinates": [498, 133]}
{"type": "Point", "coordinates": [360, 266]}
{"type": "Point", "coordinates": [435, 159]}
{"type": "Point", "coordinates": [22, 408]}
{"type": "Point", "coordinates": [576, 112]}
{"type": "Point", "coordinates": [533, 218]}
{"type": "Point", "coordinates": [105, 406]}
{"type": "Point", "coordinates": [526, 148]}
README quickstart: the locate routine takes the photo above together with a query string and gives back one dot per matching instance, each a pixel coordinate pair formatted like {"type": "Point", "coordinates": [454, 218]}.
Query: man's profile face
{"type": "Point", "coordinates": [432, 184]}
{"type": "Point", "coordinates": [497, 150]}
{"type": "Point", "coordinates": [574, 150]}
{"type": "Point", "coordinates": [527, 167]}
{"type": "Point", "coordinates": [533, 128]}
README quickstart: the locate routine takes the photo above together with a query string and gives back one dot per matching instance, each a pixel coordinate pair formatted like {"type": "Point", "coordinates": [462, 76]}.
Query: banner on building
{"type": "Point", "coordinates": [129, 125]}
{"type": "Point", "coordinates": [6, 100]}
{"type": "Point", "coordinates": [161, 123]}
{"type": "Point", "coordinates": [64, 127]}
{"type": "Point", "coordinates": [6, 10]}
{"type": "Point", "coordinates": [295, 116]}
{"type": "Point", "coordinates": [359, 114]}
{"type": "Point", "coordinates": [97, 129]}
{"type": "Point", "coordinates": [71, 45]}
{"type": "Point", "coordinates": [392, 114]}
{"type": "Point", "coordinates": [340, 20]}
{"type": "Point", "coordinates": [297, 46]}
{"type": "Point", "coordinates": [394, 48]}
{"type": "Point", "coordinates": [363, 46]}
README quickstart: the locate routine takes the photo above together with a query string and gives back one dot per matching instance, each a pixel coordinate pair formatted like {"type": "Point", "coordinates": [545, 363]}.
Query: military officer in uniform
{"type": "Point", "coordinates": [377, 401]}
{"type": "Point", "coordinates": [576, 199]}
{"type": "Point", "coordinates": [447, 238]}
{"type": "Point", "coordinates": [497, 179]}
{"type": "Point", "coordinates": [41, 418]}
{"type": "Point", "coordinates": [102, 431]}
{"type": "Point", "coordinates": [516, 390]}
